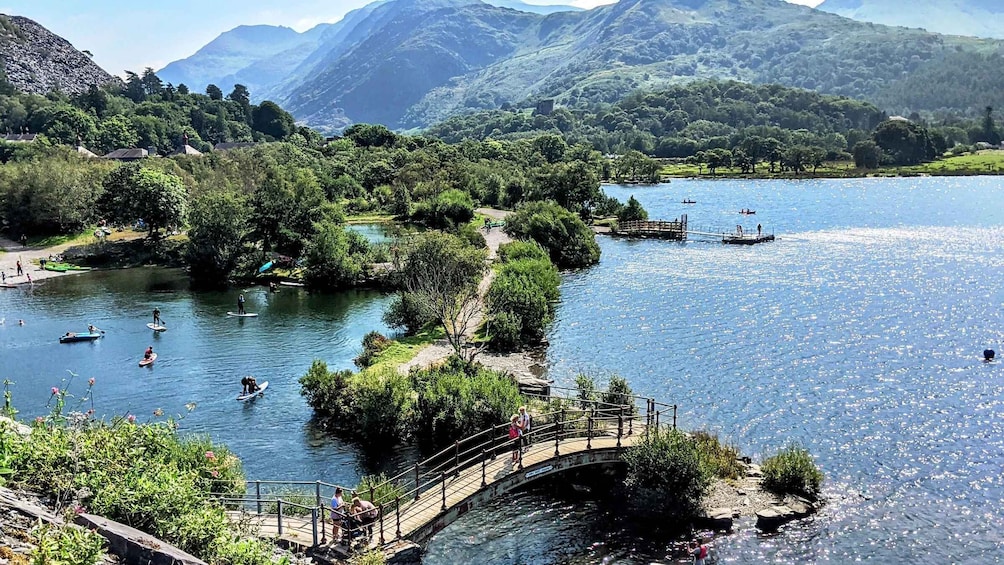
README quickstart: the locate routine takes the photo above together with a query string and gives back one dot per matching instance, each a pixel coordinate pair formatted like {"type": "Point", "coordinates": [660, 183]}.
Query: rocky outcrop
{"type": "Point", "coordinates": [39, 61]}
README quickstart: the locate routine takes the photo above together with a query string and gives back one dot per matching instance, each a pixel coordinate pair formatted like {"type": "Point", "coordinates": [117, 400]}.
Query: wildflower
{"type": "Point", "coordinates": [90, 381]}
{"type": "Point", "coordinates": [78, 509]}
{"type": "Point", "coordinates": [39, 419]}
{"type": "Point", "coordinates": [158, 412]}
{"type": "Point", "coordinates": [131, 419]}
{"type": "Point", "coordinates": [55, 390]}
{"type": "Point", "coordinates": [215, 474]}
{"type": "Point", "coordinates": [210, 455]}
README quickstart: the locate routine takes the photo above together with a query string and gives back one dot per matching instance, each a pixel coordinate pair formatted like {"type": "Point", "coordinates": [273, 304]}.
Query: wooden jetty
{"type": "Point", "coordinates": [674, 230]}
{"type": "Point", "coordinates": [746, 239]}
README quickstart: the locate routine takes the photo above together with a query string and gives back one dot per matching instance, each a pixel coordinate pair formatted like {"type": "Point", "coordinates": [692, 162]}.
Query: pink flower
{"type": "Point", "coordinates": [78, 509]}
{"type": "Point", "coordinates": [55, 390]}
{"type": "Point", "coordinates": [131, 419]}
{"type": "Point", "coordinates": [210, 455]}
{"type": "Point", "coordinates": [215, 473]}
{"type": "Point", "coordinates": [39, 419]}
{"type": "Point", "coordinates": [90, 381]}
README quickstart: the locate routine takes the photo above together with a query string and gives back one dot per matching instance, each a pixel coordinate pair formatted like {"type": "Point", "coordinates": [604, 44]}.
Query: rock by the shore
{"type": "Point", "coordinates": [770, 519]}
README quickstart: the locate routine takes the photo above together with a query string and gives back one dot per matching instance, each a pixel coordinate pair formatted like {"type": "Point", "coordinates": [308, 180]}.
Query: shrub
{"type": "Point", "coordinates": [619, 393]}
{"type": "Point", "coordinates": [335, 257]}
{"type": "Point", "coordinates": [633, 211]}
{"type": "Point", "coordinates": [409, 311]}
{"type": "Point", "coordinates": [516, 250]}
{"type": "Point", "coordinates": [373, 344]}
{"type": "Point", "coordinates": [327, 392]}
{"type": "Point", "coordinates": [455, 401]}
{"type": "Point", "coordinates": [718, 459]}
{"type": "Point", "coordinates": [586, 387]}
{"type": "Point", "coordinates": [665, 477]}
{"type": "Point", "coordinates": [506, 331]}
{"type": "Point", "coordinates": [65, 545]}
{"type": "Point", "coordinates": [792, 471]}
{"type": "Point", "coordinates": [382, 404]}
{"type": "Point", "coordinates": [523, 291]}
{"type": "Point", "coordinates": [568, 240]}
{"type": "Point", "coordinates": [448, 210]}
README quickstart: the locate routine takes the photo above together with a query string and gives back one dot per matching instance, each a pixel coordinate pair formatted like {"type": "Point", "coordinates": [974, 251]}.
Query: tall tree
{"type": "Point", "coordinates": [152, 84]}
{"type": "Point", "coordinates": [214, 92]}
{"type": "Point", "coordinates": [217, 236]}
{"type": "Point", "coordinates": [990, 133]}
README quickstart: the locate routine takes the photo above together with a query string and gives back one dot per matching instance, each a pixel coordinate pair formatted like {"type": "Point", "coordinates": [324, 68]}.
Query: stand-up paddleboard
{"type": "Point", "coordinates": [245, 315]}
{"type": "Point", "coordinates": [147, 362]}
{"type": "Point", "coordinates": [156, 328]}
{"type": "Point", "coordinates": [255, 394]}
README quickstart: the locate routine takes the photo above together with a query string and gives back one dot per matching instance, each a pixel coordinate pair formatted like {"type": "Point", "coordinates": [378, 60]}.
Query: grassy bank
{"type": "Point", "coordinates": [982, 163]}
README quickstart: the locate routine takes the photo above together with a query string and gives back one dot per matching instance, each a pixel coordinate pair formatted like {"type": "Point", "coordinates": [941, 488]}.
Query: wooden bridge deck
{"type": "Point", "coordinates": [415, 515]}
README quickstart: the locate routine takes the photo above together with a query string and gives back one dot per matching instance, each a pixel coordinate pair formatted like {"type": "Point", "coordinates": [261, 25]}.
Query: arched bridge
{"type": "Point", "coordinates": [414, 505]}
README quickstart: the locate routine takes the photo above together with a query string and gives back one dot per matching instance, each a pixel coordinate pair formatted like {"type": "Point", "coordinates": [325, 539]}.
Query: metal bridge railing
{"type": "Point", "coordinates": [577, 417]}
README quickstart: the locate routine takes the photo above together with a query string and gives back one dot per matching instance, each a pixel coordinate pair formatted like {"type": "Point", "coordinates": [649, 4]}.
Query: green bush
{"type": "Point", "coordinates": [516, 250]}
{"type": "Point", "coordinates": [65, 545]}
{"type": "Point", "coordinates": [335, 257]}
{"type": "Point", "coordinates": [586, 391]}
{"type": "Point", "coordinates": [568, 241]}
{"type": "Point", "coordinates": [409, 311]}
{"type": "Point", "coordinates": [374, 343]}
{"type": "Point", "coordinates": [619, 393]}
{"type": "Point", "coordinates": [327, 392]}
{"type": "Point", "coordinates": [455, 401]}
{"type": "Point", "coordinates": [633, 211]}
{"type": "Point", "coordinates": [381, 404]}
{"type": "Point", "coordinates": [665, 477]}
{"type": "Point", "coordinates": [523, 291]}
{"type": "Point", "coordinates": [718, 459]}
{"type": "Point", "coordinates": [792, 471]}
{"type": "Point", "coordinates": [448, 210]}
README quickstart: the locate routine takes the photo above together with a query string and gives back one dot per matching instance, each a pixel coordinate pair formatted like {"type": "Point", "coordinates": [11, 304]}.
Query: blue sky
{"type": "Point", "coordinates": [131, 35]}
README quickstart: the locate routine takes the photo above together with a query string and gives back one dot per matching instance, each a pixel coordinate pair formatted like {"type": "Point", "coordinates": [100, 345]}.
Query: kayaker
{"type": "Point", "coordinates": [149, 352]}
{"type": "Point", "coordinates": [156, 316]}
{"type": "Point", "coordinates": [240, 304]}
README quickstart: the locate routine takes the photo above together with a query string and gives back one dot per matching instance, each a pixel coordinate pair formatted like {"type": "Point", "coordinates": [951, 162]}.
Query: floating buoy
{"type": "Point", "coordinates": [988, 354]}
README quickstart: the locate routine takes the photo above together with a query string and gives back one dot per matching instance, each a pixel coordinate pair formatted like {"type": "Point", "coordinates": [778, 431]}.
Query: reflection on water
{"type": "Point", "coordinates": [858, 334]}
{"type": "Point", "coordinates": [201, 358]}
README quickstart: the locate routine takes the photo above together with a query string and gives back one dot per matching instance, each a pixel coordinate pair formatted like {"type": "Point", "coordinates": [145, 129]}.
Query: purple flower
{"type": "Point", "coordinates": [131, 419]}
{"type": "Point", "coordinates": [55, 390]}
{"type": "Point", "coordinates": [210, 455]}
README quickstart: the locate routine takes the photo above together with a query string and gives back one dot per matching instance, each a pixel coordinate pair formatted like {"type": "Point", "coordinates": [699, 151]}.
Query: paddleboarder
{"type": "Point", "coordinates": [240, 304]}
{"type": "Point", "coordinates": [148, 353]}
{"type": "Point", "coordinates": [156, 316]}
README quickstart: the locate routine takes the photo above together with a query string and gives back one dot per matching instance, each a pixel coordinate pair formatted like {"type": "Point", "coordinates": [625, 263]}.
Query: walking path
{"type": "Point", "coordinates": [521, 365]}
{"type": "Point", "coordinates": [11, 252]}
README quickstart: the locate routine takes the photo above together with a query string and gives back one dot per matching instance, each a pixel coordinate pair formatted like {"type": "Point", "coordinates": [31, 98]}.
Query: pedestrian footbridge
{"type": "Point", "coordinates": [428, 496]}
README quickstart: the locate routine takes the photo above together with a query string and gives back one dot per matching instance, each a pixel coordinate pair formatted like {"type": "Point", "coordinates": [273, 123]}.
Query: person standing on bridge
{"type": "Point", "coordinates": [524, 427]}
{"type": "Point", "coordinates": [363, 513]}
{"type": "Point", "coordinates": [514, 436]}
{"type": "Point", "coordinates": [337, 515]}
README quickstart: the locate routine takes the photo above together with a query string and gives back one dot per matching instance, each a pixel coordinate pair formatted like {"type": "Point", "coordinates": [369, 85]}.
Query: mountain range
{"type": "Point", "coordinates": [979, 18]}
{"type": "Point", "coordinates": [36, 60]}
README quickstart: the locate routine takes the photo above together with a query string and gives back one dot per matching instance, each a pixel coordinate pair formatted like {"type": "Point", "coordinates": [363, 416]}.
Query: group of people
{"type": "Point", "coordinates": [519, 432]}
{"type": "Point", "coordinates": [249, 384]}
{"type": "Point", "coordinates": [357, 516]}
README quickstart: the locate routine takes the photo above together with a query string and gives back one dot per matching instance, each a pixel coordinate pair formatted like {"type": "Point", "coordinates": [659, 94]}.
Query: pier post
{"type": "Point", "coordinates": [380, 510]}
{"type": "Point", "coordinates": [397, 515]}
{"type": "Point", "coordinates": [557, 431]}
{"type": "Point", "coordinates": [279, 504]}
{"type": "Point", "coordinates": [417, 496]}
{"type": "Point", "coordinates": [317, 493]}
{"type": "Point", "coordinates": [620, 426]}
{"type": "Point", "coordinates": [484, 463]}
{"type": "Point", "coordinates": [257, 494]}
{"type": "Point", "coordinates": [442, 478]}
{"type": "Point", "coordinates": [674, 416]}
{"type": "Point", "coordinates": [313, 523]}
{"type": "Point", "coordinates": [589, 430]}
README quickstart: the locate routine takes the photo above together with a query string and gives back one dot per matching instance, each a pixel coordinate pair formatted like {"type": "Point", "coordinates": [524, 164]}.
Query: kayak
{"type": "Point", "coordinates": [147, 362]}
{"type": "Point", "coordinates": [79, 337]}
{"type": "Point", "coordinates": [265, 267]}
{"type": "Point", "coordinates": [56, 268]}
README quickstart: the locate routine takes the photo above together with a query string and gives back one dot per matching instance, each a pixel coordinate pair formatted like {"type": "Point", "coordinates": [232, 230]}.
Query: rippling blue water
{"type": "Point", "coordinates": [858, 333]}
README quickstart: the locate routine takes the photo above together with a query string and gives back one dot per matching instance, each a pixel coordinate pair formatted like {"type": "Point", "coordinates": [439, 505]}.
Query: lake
{"type": "Point", "coordinates": [858, 333]}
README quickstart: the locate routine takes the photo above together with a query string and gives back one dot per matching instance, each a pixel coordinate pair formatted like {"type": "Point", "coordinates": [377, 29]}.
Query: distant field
{"type": "Point", "coordinates": [983, 162]}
